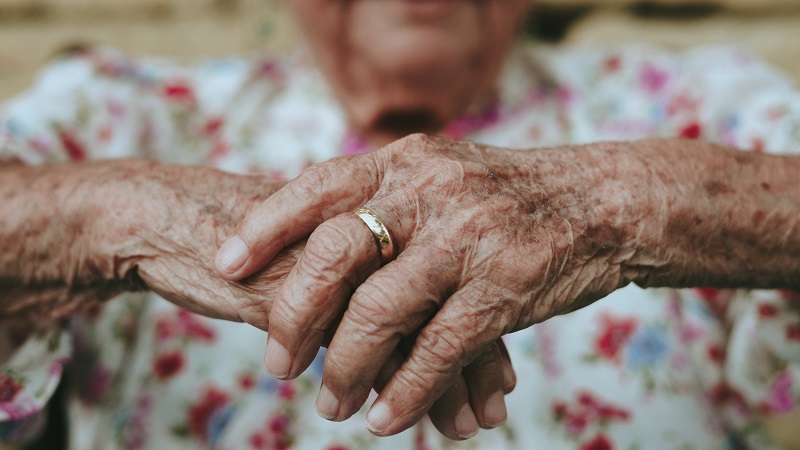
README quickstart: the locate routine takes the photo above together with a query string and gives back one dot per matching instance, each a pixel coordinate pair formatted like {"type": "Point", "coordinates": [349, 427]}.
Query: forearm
{"type": "Point", "coordinates": [728, 219]}
{"type": "Point", "coordinates": [52, 254]}
{"type": "Point", "coordinates": [84, 232]}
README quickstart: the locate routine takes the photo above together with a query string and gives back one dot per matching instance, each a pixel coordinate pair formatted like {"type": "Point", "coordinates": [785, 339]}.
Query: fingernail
{"type": "Point", "coordinates": [466, 422]}
{"type": "Point", "coordinates": [378, 418]}
{"type": "Point", "coordinates": [327, 404]}
{"type": "Point", "coordinates": [494, 413]}
{"type": "Point", "coordinates": [232, 254]}
{"type": "Point", "coordinates": [277, 360]}
{"type": "Point", "coordinates": [509, 377]}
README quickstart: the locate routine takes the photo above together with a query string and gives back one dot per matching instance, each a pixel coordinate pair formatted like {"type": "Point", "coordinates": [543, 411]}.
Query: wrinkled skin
{"type": "Point", "coordinates": [488, 240]}
{"type": "Point", "coordinates": [145, 226]}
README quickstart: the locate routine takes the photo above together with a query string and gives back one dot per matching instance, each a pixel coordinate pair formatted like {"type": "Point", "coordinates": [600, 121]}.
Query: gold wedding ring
{"type": "Point", "coordinates": [379, 231]}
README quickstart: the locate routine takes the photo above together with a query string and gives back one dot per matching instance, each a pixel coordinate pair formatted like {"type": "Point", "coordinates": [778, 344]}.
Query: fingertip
{"type": "Point", "coordinates": [232, 256]}
{"type": "Point", "coordinates": [495, 413]}
{"type": "Point", "coordinates": [466, 422]}
{"type": "Point", "coordinates": [378, 418]}
{"type": "Point", "coordinates": [509, 378]}
{"type": "Point", "coordinates": [277, 360]}
{"type": "Point", "coordinates": [327, 404]}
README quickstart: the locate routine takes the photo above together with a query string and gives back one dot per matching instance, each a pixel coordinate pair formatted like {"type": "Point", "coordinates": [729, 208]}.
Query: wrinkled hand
{"type": "Point", "coordinates": [164, 225]}
{"type": "Point", "coordinates": [178, 217]}
{"type": "Point", "coordinates": [489, 241]}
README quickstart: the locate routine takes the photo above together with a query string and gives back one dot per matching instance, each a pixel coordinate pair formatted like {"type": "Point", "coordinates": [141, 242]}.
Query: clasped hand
{"type": "Point", "coordinates": [488, 241]}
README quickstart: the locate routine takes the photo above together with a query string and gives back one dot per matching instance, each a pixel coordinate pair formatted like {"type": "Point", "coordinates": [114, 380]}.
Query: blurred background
{"type": "Point", "coordinates": [32, 31]}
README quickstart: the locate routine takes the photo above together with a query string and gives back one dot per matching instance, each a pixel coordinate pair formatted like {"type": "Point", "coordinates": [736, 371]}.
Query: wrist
{"type": "Point", "coordinates": [721, 218]}
{"type": "Point", "coordinates": [111, 205]}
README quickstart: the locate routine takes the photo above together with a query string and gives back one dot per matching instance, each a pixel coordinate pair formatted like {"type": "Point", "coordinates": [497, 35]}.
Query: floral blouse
{"type": "Point", "coordinates": [640, 369]}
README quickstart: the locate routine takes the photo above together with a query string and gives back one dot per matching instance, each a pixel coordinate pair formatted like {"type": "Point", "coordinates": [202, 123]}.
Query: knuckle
{"type": "Point", "coordinates": [489, 360]}
{"type": "Point", "coordinates": [415, 141]}
{"type": "Point", "coordinates": [372, 311]}
{"type": "Point", "coordinates": [442, 349]}
{"type": "Point", "coordinates": [312, 181]}
{"type": "Point", "coordinates": [379, 301]}
{"type": "Point", "coordinates": [326, 247]}
{"type": "Point", "coordinates": [287, 315]}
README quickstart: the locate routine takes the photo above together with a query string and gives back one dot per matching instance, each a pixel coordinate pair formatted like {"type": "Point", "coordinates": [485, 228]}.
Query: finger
{"type": "Point", "coordinates": [509, 376]}
{"type": "Point", "coordinates": [392, 303]}
{"type": "Point", "coordinates": [261, 289]}
{"type": "Point", "coordinates": [292, 213]}
{"type": "Point", "coordinates": [451, 414]}
{"type": "Point", "coordinates": [339, 256]}
{"type": "Point", "coordinates": [484, 378]}
{"type": "Point", "coordinates": [450, 341]}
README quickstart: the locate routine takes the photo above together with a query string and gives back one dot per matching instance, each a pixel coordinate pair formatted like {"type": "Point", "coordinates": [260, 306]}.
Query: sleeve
{"type": "Point", "coordinates": [89, 104]}
{"type": "Point", "coordinates": [30, 370]}
{"type": "Point", "coordinates": [743, 103]}
{"type": "Point", "coordinates": [100, 103]}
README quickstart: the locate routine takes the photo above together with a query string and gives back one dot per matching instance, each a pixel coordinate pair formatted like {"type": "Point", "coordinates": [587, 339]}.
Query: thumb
{"type": "Point", "coordinates": [293, 212]}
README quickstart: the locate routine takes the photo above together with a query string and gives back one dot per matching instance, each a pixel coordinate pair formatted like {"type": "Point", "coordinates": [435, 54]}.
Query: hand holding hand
{"type": "Point", "coordinates": [488, 240]}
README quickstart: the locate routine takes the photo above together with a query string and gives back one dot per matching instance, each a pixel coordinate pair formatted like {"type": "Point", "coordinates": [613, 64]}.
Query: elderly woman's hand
{"type": "Point", "coordinates": [488, 241]}
{"type": "Point", "coordinates": [141, 225]}
{"type": "Point", "coordinates": [189, 211]}
{"type": "Point", "coordinates": [86, 232]}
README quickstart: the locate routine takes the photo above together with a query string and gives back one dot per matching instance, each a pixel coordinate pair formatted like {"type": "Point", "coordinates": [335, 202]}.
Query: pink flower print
{"type": "Point", "coordinates": [257, 442]}
{"type": "Point", "coordinates": [96, 385]}
{"type": "Point", "coordinates": [213, 400]}
{"type": "Point", "coordinates": [690, 333]}
{"type": "Point", "coordinates": [715, 299]}
{"type": "Point", "coordinates": [168, 365]}
{"type": "Point", "coordinates": [473, 122]}
{"type": "Point", "coordinates": [781, 399]}
{"type": "Point", "coordinates": [613, 336]}
{"type": "Point", "coordinates": [564, 95]}
{"type": "Point", "coordinates": [612, 64]}
{"type": "Point", "coordinates": [179, 91]}
{"type": "Point", "coordinates": [105, 133]}
{"type": "Point", "coordinates": [286, 391]}
{"type": "Point", "coordinates": [185, 325]}
{"type": "Point", "coordinates": [164, 329]}
{"type": "Point", "coordinates": [790, 296]}
{"type": "Point", "coordinates": [39, 145]}
{"type": "Point", "coordinates": [194, 326]}
{"type": "Point", "coordinates": [220, 149]}
{"type": "Point", "coordinates": [722, 393]}
{"type": "Point", "coordinates": [275, 435]}
{"type": "Point", "coordinates": [9, 389]}
{"type": "Point", "coordinates": [716, 353]}
{"type": "Point", "coordinates": [682, 103]}
{"type": "Point", "coordinates": [757, 145]}
{"type": "Point", "coordinates": [75, 150]}
{"type": "Point", "coordinates": [793, 332]}
{"type": "Point", "coordinates": [115, 108]}
{"type": "Point", "coordinates": [575, 424]}
{"type": "Point", "coordinates": [587, 410]}
{"type": "Point", "coordinates": [600, 442]}
{"type": "Point", "coordinates": [354, 144]}
{"type": "Point", "coordinates": [767, 311]}
{"type": "Point", "coordinates": [691, 131]}
{"type": "Point", "coordinates": [273, 71]}
{"type": "Point", "coordinates": [653, 80]}
{"type": "Point", "coordinates": [247, 381]}
{"type": "Point", "coordinates": [213, 125]}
